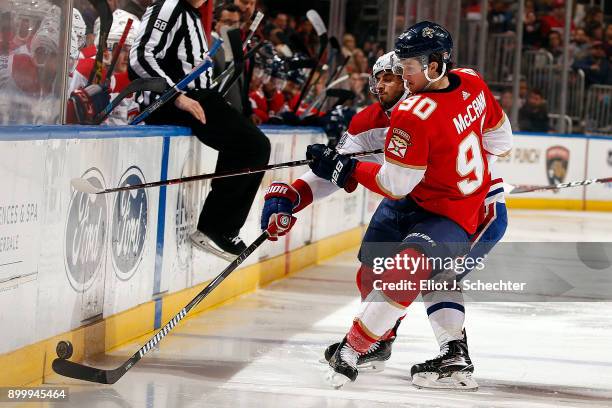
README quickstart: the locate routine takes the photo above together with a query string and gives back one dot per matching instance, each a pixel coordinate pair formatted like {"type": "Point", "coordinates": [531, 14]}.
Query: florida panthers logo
{"type": "Point", "coordinates": [557, 160]}
{"type": "Point", "coordinates": [428, 32]}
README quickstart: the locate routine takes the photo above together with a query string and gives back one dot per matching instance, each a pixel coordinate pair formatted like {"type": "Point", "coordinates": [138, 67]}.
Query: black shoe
{"type": "Point", "coordinates": [452, 369]}
{"type": "Point", "coordinates": [373, 360]}
{"type": "Point", "coordinates": [343, 365]}
{"type": "Point", "coordinates": [223, 245]}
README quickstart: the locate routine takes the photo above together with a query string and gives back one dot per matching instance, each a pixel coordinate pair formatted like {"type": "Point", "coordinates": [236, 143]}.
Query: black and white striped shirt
{"type": "Point", "coordinates": [169, 44]}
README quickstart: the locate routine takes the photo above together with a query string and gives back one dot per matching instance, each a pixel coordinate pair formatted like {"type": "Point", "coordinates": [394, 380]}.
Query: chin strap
{"type": "Point", "coordinates": [431, 81]}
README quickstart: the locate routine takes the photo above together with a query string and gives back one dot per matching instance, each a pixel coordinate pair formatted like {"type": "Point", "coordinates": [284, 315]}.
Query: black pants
{"type": "Point", "coordinates": [240, 144]}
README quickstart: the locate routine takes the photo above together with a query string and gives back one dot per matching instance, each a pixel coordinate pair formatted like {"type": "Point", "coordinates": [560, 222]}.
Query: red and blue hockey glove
{"type": "Point", "coordinates": [331, 165]}
{"type": "Point", "coordinates": [276, 216]}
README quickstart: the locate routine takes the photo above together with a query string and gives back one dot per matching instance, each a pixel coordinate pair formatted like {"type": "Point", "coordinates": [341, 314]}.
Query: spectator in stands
{"type": "Point", "coordinates": [533, 116]}
{"type": "Point", "coordinates": [594, 16]}
{"type": "Point", "coordinates": [500, 19]}
{"type": "Point", "coordinates": [280, 21]}
{"type": "Point", "coordinates": [555, 46]}
{"type": "Point", "coordinates": [348, 44]}
{"type": "Point", "coordinates": [556, 20]}
{"type": "Point", "coordinates": [247, 9]}
{"type": "Point", "coordinates": [360, 61]}
{"type": "Point", "coordinates": [596, 66]}
{"type": "Point", "coordinates": [505, 101]}
{"type": "Point", "coordinates": [531, 27]}
{"type": "Point", "coordinates": [595, 31]}
{"type": "Point", "coordinates": [276, 38]}
{"type": "Point", "coordinates": [308, 36]}
{"type": "Point", "coordinates": [581, 44]}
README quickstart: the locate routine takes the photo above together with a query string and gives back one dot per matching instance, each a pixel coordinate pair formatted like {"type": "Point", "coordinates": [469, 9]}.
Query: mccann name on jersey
{"type": "Point", "coordinates": [472, 112]}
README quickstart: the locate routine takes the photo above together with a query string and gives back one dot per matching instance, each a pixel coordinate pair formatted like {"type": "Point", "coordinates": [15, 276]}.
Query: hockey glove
{"type": "Point", "coordinates": [276, 216]}
{"type": "Point", "coordinates": [331, 165]}
{"type": "Point", "coordinates": [85, 103]}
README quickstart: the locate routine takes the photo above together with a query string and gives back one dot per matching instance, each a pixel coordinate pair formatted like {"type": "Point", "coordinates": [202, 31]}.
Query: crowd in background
{"type": "Point", "coordinates": [590, 46]}
{"type": "Point", "coordinates": [29, 60]}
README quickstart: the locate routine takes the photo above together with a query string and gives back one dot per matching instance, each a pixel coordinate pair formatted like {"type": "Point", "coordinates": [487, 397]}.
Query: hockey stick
{"type": "Point", "coordinates": [157, 85]}
{"type": "Point", "coordinates": [106, 21]}
{"type": "Point", "coordinates": [248, 55]}
{"type": "Point", "coordinates": [182, 85]}
{"type": "Point", "coordinates": [319, 26]}
{"type": "Point", "coordinates": [230, 69]}
{"type": "Point", "coordinates": [109, 72]}
{"type": "Point", "coordinates": [335, 52]}
{"type": "Point", "coordinates": [528, 189]}
{"type": "Point", "coordinates": [84, 186]}
{"type": "Point", "coordinates": [72, 369]}
{"type": "Point", "coordinates": [233, 36]}
{"type": "Point", "coordinates": [254, 25]}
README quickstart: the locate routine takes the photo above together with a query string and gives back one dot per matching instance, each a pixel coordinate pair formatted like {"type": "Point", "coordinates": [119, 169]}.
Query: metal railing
{"type": "Point", "coordinates": [467, 48]}
{"type": "Point", "coordinates": [598, 110]}
{"type": "Point", "coordinates": [553, 119]}
{"type": "Point", "coordinates": [500, 59]}
{"type": "Point", "coordinates": [533, 63]}
{"type": "Point", "coordinates": [548, 80]}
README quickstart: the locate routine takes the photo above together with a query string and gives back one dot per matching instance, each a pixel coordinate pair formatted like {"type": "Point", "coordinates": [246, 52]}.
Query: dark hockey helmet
{"type": "Point", "coordinates": [297, 66]}
{"type": "Point", "coordinates": [424, 38]}
{"type": "Point", "coordinates": [297, 76]}
{"type": "Point", "coordinates": [278, 68]}
{"type": "Point", "coordinates": [278, 72]}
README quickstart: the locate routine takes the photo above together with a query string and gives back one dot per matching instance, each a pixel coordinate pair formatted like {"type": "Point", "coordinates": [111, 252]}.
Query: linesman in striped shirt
{"type": "Point", "coordinates": [169, 44]}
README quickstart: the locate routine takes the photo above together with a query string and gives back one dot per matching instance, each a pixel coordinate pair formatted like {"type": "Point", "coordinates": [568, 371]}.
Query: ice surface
{"type": "Point", "coordinates": [263, 349]}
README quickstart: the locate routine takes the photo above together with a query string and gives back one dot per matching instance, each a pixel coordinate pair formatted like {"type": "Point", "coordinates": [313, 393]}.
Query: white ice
{"type": "Point", "coordinates": [263, 349]}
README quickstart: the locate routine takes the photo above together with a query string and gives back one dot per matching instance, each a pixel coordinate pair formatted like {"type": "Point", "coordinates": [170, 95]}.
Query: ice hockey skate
{"type": "Point", "coordinates": [343, 365]}
{"type": "Point", "coordinates": [373, 361]}
{"type": "Point", "coordinates": [452, 369]}
{"type": "Point", "coordinates": [223, 246]}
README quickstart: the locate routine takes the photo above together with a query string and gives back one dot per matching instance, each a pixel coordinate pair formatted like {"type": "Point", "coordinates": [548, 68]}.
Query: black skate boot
{"type": "Point", "coordinates": [373, 360]}
{"type": "Point", "coordinates": [452, 369]}
{"type": "Point", "coordinates": [343, 365]}
{"type": "Point", "coordinates": [226, 246]}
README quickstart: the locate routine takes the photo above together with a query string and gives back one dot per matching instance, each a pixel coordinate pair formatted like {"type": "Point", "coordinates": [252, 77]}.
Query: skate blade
{"type": "Point", "coordinates": [335, 379]}
{"type": "Point", "coordinates": [371, 367]}
{"type": "Point", "coordinates": [457, 381]}
{"type": "Point", "coordinates": [204, 245]}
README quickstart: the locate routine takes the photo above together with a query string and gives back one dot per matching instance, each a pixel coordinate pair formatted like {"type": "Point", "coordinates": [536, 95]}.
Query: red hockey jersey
{"type": "Point", "coordinates": [435, 149]}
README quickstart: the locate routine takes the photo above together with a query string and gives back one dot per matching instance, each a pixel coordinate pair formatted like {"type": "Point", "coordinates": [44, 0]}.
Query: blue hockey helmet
{"type": "Point", "coordinates": [413, 49]}
{"type": "Point", "coordinates": [424, 38]}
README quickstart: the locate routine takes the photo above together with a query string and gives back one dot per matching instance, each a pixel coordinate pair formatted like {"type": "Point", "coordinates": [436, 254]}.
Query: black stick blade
{"type": "Point", "coordinates": [78, 371]}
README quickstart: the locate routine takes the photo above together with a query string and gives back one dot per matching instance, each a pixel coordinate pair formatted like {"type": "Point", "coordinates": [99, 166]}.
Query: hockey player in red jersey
{"type": "Point", "coordinates": [266, 98]}
{"type": "Point", "coordinates": [436, 170]}
{"type": "Point", "coordinates": [128, 107]}
{"type": "Point", "coordinates": [445, 130]}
